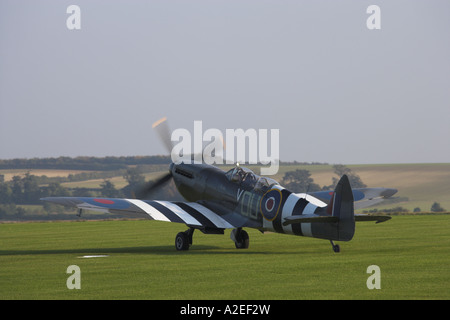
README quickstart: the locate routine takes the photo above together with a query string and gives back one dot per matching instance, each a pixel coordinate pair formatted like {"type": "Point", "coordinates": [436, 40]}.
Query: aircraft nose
{"type": "Point", "coordinates": [183, 170]}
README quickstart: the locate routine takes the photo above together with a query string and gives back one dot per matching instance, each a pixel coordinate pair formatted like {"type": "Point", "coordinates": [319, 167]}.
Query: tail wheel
{"type": "Point", "coordinates": [242, 240]}
{"type": "Point", "coordinates": [336, 247]}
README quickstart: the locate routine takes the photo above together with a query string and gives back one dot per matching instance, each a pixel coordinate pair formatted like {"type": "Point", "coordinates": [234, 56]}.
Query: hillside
{"type": "Point", "coordinates": [419, 185]}
{"type": "Point", "coordinates": [422, 184]}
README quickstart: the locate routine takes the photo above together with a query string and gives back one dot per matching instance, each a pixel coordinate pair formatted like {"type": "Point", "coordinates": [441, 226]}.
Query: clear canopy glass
{"type": "Point", "coordinates": [249, 180]}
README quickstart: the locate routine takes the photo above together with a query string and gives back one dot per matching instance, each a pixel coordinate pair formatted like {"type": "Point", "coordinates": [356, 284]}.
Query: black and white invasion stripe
{"type": "Point", "coordinates": [189, 213]}
{"type": "Point", "coordinates": [294, 204]}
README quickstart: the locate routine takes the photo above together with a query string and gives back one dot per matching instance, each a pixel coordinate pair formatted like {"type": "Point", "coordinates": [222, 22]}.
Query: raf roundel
{"type": "Point", "coordinates": [270, 204]}
{"type": "Point", "coordinates": [104, 201]}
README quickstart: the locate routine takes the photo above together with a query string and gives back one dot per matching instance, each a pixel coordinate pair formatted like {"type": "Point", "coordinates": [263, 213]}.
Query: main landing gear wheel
{"type": "Point", "coordinates": [183, 240]}
{"type": "Point", "coordinates": [240, 238]}
{"type": "Point", "coordinates": [336, 247]}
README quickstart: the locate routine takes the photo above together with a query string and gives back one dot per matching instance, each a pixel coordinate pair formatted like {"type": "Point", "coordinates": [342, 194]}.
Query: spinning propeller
{"type": "Point", "coordinates": [149, 188]}
{"type": "Point", "coordinates": [162, 129]}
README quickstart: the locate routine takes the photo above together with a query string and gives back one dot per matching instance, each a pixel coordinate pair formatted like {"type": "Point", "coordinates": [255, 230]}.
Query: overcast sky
{"type": "Point", "coordinates": [337, 91]}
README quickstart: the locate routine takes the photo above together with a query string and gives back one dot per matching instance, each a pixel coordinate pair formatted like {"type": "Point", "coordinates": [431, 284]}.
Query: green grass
{"type": "Point", "coordinates": [411, 251]}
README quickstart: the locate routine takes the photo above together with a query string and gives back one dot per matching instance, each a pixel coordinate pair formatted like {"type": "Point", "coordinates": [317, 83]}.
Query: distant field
{"type": "Point", "coordinates": [10, 173]}
{"type": "Point", "coordinates": [411, 252]}
{"type": "Point", "coordinates": [422, 184]}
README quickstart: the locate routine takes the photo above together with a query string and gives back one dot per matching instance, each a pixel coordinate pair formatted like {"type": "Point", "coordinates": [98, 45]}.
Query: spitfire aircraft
{"type": "Point", "coordinates": [236, 199]}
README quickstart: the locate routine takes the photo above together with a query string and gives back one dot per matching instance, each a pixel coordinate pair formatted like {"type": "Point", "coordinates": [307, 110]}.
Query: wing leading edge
{"type": "Point", "coordinates": [190, 213]}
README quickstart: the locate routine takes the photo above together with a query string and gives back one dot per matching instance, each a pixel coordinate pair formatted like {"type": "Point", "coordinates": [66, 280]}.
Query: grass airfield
{"type": "Point", "coordinates": [412, 252]}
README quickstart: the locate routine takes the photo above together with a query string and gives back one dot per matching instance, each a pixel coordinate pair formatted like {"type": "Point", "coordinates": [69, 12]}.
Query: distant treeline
{"type": "Point", "coordinates": [296, 163]}
{"type": "Point", "coordinates": [27, 190]}
{"type": "Point", "coordinates": [83, 163]}
{"type": "Point", "coordinates": [99, 163]}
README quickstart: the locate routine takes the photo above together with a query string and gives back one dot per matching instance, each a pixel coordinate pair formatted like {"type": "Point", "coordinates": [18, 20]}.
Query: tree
{"type": "Point", "coordinates": [108, 189]}
{"type": "Point", "coordinates": [340, 170]}
{"type": "Point", "coordinates": [5, 193]}
{"type": "Point", "coordinates": [436, 207]}
{"type": "Point", "coordinates": [299, 181]}
{"type": "Point", "coordinates": [135, 180]}
{"type": "Point", "coordinates": [17, 194]}
{"type": "Point", "coordinates": [9, 210]}
{"type": "Point", "coordinates": [134, 177]}
{"type": "Point", "coordinates": [31, 191]}
{"type": "Point", "coordinates": [55, 189]}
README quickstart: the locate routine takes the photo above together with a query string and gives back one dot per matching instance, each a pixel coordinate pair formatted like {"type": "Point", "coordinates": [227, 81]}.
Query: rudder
{"type": "Point", "coordinates": [341, 206]}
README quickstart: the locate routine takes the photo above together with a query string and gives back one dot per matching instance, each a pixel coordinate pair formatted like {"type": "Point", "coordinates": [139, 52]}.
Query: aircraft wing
{"type": "Point", "coordinates": [190, 213]}
{"type": "Point", "coordinates": [363, 197]}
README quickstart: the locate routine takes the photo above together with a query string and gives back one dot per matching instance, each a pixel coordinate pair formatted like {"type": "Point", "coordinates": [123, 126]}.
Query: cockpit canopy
{"type": "Point", "coordinates": [248, 179]}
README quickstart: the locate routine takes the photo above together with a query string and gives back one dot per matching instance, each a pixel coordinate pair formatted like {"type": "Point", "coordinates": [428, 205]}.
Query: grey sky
{"type": "Point", "coordinates": [338, 92]}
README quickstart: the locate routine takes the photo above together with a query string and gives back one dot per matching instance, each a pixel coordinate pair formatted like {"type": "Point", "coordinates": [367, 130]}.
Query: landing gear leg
{"type": "Point", "coordinates": [183, 240]}
{"type": "Point", "coordinates": [336, 247]}
{"type": "Point", "coordinates": [240, 238]}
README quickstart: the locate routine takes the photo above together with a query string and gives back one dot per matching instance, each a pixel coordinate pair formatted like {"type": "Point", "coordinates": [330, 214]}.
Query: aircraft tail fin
{"type": "Point", "coordinates": [341, 207]}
